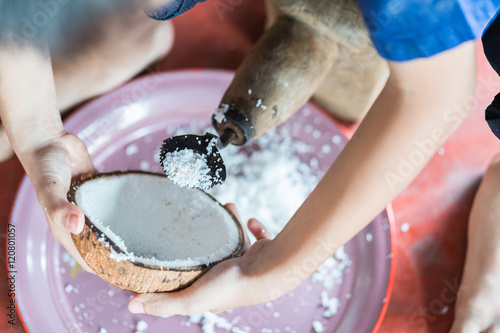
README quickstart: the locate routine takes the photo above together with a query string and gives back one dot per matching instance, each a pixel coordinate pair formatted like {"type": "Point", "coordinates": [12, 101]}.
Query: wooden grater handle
{"type": "Point", "coordinates": [277, 77]}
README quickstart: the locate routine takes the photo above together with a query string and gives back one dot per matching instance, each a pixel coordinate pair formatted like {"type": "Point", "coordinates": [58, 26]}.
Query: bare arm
{"type": "Point", "coordinates": [27, 97]}
{"type": "Point", "coordinates": [419, 108]}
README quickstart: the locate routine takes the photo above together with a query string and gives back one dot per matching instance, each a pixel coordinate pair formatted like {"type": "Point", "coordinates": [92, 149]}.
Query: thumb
{"type": "Point", "coordinates": [186, 302]}
{"type": "Point", "coordinates": [63, 214]}
{"type": "Point", "coordinates": [51, 179]}
{"type": "Point", "coordinates": [258, 230]}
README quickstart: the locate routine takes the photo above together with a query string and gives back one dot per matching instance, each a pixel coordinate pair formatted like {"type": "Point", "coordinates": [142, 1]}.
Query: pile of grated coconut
{"type": "Point", "coordinates": [266, 179]}
{"type": "Point", "coordinates": [188, 168]}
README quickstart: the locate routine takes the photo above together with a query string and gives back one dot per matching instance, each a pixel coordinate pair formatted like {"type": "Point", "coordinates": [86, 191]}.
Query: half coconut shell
{"type": "Point", "coordinates": [110, 257]}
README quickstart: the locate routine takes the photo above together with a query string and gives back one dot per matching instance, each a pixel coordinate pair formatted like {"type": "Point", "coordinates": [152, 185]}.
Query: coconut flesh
{"type": "Point", "coordinates": [143, 233]}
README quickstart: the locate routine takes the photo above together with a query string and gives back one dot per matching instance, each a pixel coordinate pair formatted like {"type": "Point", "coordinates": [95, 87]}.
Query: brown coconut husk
{"type": "Point", "coordinates": [134, 276]}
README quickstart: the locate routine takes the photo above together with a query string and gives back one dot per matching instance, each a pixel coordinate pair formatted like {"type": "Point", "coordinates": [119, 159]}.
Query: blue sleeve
{"type": "Point", "coordinates": [407, 29]}
{"type": "Point", "coordinates": [173, 9]}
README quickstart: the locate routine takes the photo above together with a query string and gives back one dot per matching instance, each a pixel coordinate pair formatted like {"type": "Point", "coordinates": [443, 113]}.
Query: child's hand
{"type": "Point", "coordinates": [51, 167]}
{"type": "Point", "coordinates": [228, 285]}
{"type": "Point", "coordinates": [50, 156]}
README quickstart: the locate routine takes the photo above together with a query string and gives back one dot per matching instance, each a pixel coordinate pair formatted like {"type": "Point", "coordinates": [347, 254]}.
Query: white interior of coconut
{"type": "Point", "coordinates": [156, 222]}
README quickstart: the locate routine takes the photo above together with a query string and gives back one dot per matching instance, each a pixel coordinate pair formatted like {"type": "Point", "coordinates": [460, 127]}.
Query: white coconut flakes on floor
{"type": "Point", "coordinates": [405, 227]}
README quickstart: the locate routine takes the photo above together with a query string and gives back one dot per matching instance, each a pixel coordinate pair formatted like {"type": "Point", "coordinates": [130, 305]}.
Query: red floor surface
{"type": "Point", "coordinates": [430, 255]}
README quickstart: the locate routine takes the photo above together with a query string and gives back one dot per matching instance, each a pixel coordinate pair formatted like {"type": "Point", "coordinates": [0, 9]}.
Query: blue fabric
{"type": "Point", "coordinates": [407, 29]}
{"type": "Point", "coordinates": [173, 9]}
